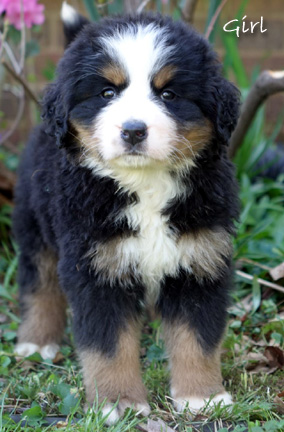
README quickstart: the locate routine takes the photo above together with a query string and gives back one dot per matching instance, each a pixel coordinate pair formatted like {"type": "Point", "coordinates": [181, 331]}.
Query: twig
{"type": "Point", "coordinates": [16, 121]}
{"type": "Point", "coordinates": [3, 37]}
{"type": "Point", "coordinates": [188, 10]}
{"type": "Point", "coordinates": [214, 19]}
{"type": "Point", "coordinates": [21, 80]}
{"type": "Point", "coordinates": [130, 6]}
{"type": "Point", "coordinates": [11, 147]}
{"type": "Point", "coordinates": [140, 428]}
{"type": "Point", "coordinates": [260, 281]}
{"type": "Point", "coordinates": [12, 57]}
{"type": "Point", "coordinates": [267, 84]}
{"type": "Point", "coordinates": [23, 39]}
{"type": "Point", "coordinates": [142, 6]}
{"type": "Point", "coordinates": [255, 263]}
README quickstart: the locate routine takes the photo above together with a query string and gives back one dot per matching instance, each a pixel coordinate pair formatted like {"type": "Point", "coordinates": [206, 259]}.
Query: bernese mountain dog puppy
{"type": "Point", "coordinates": [126, 201]}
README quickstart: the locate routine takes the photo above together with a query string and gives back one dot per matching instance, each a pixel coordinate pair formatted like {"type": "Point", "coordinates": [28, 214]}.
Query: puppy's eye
{"type": "Point", "coordinates": [167, 95]}
{"type": "Point", "coordinates": [108, 93]}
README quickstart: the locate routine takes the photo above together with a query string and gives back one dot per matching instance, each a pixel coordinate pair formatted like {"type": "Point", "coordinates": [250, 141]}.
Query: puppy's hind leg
{"type": "Point", "coordinates": [42, 305]}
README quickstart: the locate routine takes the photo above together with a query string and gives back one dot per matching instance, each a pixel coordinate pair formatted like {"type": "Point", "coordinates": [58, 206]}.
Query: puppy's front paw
{"type": "Point", "coordinates": [142, 408]}
{"type": "Point", "coordinates": [195, 404]}
{"type": "Point", "coordinates": [26, 349]}
{"type": "Point", "coordinates": [113, 412]}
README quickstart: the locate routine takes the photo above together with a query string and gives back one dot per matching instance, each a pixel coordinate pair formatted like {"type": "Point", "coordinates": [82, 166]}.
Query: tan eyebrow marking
{"type": "Point", "coordinates": [114, 74]}
{"type": "Point", "coordinates": [164, 76]}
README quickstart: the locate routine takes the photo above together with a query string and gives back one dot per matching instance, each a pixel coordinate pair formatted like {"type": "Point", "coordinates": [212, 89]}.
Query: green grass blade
{"type": "Point", "coordinates": [92, 10]}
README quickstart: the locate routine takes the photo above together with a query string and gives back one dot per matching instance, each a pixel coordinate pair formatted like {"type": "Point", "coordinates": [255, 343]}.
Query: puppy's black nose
{"type": "Point", "coordinates": [133, 132]}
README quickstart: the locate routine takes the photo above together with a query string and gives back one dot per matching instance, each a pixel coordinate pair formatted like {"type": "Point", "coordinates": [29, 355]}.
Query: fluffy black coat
{"type": "Point", "coordinates": [66, 207]}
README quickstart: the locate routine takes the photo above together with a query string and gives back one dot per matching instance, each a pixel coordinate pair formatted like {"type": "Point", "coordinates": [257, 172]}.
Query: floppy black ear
{"type": "Point", "coordinates": [73, 22]}
{"type": "Point", "coordinates": [54, 114]}
{"type": "Point", "coordinates": [227, 107]}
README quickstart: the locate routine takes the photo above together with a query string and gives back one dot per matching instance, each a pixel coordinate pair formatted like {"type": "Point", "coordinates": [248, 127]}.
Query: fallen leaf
{"type": "Point", "coordinates": [275, 356]}
{"type": "Point", "coordinates": [277, 272]}
{"type": "Point", "coordinates": [265, 369]}
{"type": "Point", "coordinates": [58, 358]}
{"type": "Point", "coordinates": [61, 424]}
{"type": "Point", "coordinates": [244, 305]}
{"type": "Point", "coordinates": [260, 363]}
{"type": "Point", "coordinates": [279, 404]}
{"type": "Point", "coordinates": [3, 318]}
{"type": "Point", "coordinates": [158, 426]}
{"type": "Point", "coordinates": [256, 357]}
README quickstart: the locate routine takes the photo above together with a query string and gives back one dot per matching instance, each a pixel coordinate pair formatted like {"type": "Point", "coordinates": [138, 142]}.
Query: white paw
{"type": "Point", "coordinates": [113, 412]}
{"type": "Point", "coordinates": [195, 404]}
{"type": "Point", "coordinates": [26, 349]}
{"type": "Point", "coordinates": [49, 351]}
{"type": "Point", "coordinates": [141, 407]}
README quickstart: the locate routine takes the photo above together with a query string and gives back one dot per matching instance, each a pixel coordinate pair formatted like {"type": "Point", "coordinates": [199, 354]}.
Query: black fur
{"type": "Point", "coordinates": [66, 207]}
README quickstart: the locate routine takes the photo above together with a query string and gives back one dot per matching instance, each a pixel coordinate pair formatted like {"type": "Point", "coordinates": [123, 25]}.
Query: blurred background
{"type": "Point", "coordinates": [31, 43]}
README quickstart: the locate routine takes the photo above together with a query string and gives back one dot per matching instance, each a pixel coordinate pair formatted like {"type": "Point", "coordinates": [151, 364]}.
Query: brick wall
{"type": "Point", "coordinates": [265, 50]}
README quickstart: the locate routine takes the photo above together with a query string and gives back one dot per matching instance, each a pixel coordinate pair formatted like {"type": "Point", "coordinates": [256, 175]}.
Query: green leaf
{"type": "Point", "coordinates": [213, 5]}
{"type": "Point", "coordinates": [10, 335]}
{"type": "Point", "coordinates": [277, 337]}
{"type": "Point", "coordinates": [271, 426]}
{"type": "Point", "coordinates": [32, 48]}
{"type": "Point", "coordinates": [35, 357]}
{"type": "Point", "coordinates": [91, 9]}
{"type": "Point", "coordinates": [34, 413]}
{"type": "Point", "coordinates": [236, 324]}
{"type": "Point", "coordinates": [10, 273]}
{"type": "Point", "coordinates": [230, 42]}
{"type": "Point", "coordinates": [5, 294]}
{"type": "Point", "coordinates": [155, 353]}
{"type": "Point", "coordinates": [49, 70]}
{"type": "Point", "coordinates": [5, 361]}
{"type": "Point", "coordinates": [68, 404]}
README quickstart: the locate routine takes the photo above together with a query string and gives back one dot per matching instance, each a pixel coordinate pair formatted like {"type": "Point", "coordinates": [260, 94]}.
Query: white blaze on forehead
{"type": "Point", "coordinates": [141, 50]}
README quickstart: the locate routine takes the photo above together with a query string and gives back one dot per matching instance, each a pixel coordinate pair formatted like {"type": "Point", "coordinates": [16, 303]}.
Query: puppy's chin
{"type": "Point", "coordinates": [135, 161]}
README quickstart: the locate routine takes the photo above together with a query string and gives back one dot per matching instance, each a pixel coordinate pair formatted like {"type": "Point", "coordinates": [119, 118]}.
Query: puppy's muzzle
{"type": "Point", "coordinates": [134, 132]}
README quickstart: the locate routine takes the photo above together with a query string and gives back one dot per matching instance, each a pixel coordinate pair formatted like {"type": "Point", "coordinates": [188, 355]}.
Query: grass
{"type": "Point", "coordinates": [36, 390]}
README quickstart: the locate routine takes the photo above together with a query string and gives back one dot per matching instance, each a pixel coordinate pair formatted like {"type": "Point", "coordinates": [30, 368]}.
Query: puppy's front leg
{"type": "Point", "coordinates": [194, 319]}
{"type": "Point", "coordinates": [116, 374]}
{"type": "Point", "coordinates": [106, 320]}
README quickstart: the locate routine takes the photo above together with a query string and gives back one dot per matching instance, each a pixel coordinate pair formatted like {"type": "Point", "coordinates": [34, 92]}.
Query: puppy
{"type": "Point", "coordinates": [126, 200]}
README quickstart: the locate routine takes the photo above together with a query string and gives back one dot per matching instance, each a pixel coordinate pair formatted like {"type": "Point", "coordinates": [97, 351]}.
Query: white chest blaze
{"type": "Point", "coordinates": [154, 250]}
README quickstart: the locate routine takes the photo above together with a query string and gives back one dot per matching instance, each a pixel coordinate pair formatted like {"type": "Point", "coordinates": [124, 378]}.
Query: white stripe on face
{"type": "Point", "coordinates": [141, 52]}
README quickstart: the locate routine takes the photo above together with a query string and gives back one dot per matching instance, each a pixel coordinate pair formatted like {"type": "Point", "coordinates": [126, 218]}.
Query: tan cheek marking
{"type": "Point", "coordinates": [44, 310]}
{"type": "Point", "coordinates": [193, 372]}
{"type": "Point", "coordinates": [85, 138]}
{"type": "Point", "coordinates": [114, 74]}
{"type": "Point", "coordinates": [164, 76]}
{"type": "Point", "coordinates": [193, 139]}
{"type": "Point", "coordinates": [117, 376]}
{"type": "Point", "coordinates": [205, 250]}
